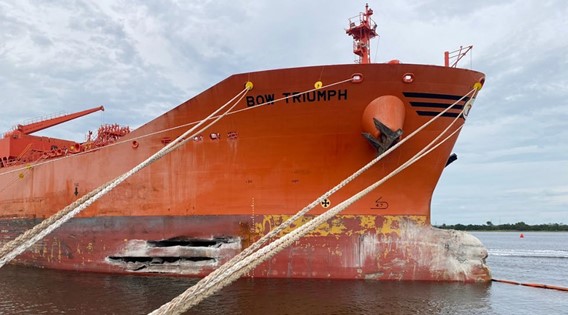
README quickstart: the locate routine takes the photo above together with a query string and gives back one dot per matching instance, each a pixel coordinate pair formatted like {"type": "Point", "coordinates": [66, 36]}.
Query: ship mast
{"type": "Point", "coordinates": [362, 34]}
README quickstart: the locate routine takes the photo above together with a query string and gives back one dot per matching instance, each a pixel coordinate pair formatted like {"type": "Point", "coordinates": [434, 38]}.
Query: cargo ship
{"type": "Point", "coordinates": [292, 134]}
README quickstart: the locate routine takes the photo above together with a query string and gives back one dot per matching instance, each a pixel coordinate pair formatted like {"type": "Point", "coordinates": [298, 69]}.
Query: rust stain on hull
{"type": "Point", "coordinates": [253, 169]}
{"type": "Point", "coordinates": [349, 248]}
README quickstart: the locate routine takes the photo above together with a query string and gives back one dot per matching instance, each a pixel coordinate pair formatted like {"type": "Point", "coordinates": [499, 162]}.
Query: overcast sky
{"type": "Point", "coordinates": [140, 60]}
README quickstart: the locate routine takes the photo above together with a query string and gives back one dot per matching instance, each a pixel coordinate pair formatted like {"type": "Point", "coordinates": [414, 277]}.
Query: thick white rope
{"type": "Point", "coordinates": [184, 301]}
{"type": "Point", "coordinates": [215, 282]}
{"type": "Point", "coordinates": [173, 128]}
{"type": "Point", "coordinates": [255, 246]}
{"type": "Point", "coordinates": [15, 247]}
{"type": "Point", "coordinates": [246, 265]}
{"type": "Point", "coordinates": [25, 170]}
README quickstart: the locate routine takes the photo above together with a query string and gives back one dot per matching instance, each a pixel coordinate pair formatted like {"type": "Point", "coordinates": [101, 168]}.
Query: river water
{"type": "Point", "coordinates": [539, 257]}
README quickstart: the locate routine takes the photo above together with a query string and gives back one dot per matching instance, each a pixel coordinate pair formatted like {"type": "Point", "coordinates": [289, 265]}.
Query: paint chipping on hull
{"type": "Point", "coordinates": [181, 255]}
{"type": "Point", "coordinates": [350, 247]}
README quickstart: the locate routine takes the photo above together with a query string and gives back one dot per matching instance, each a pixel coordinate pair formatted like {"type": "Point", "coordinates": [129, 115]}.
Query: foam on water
{"type": "Point", "coordinates": [544, 253]}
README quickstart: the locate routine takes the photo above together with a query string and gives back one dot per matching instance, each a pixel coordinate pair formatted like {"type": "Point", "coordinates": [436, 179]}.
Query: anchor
{"type": "Point", "coordinates": [387, 137]}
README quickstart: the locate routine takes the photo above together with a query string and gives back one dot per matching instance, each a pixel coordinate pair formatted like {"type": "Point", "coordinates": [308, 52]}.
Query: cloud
{"type": "Point", "coordinates": [513, 150]}
{"type": "Point", "coordinates": [141, 59]}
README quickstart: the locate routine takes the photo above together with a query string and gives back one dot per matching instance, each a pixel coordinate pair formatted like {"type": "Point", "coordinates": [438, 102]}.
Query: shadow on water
{"type": "Point", "coordinates": [33, 291]}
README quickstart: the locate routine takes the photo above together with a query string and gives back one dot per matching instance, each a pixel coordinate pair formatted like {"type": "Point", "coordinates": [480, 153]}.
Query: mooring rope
{"type": "Point", "coordinates": [184, 301]}
{"type": "Point", "coordinates": [12, 249]}
{"type": "Point", "coordinates": [24, 170]}
{"type": "Point", "coordinates": [233, 269]}
{"type": "Point", "coordinates": [246, 265]}
{"type": "Point", "coordinates": [15, 247]}
{"type": "Point", "coordinates": [174, 128]}
{"type": "Point", "coordinates": [255, 246]}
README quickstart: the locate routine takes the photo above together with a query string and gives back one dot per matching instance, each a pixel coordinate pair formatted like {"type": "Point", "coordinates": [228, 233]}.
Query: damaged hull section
{"type": "Point", "coordinates": [181, 255]}
{"type": "Point", "coordinates": [201, 204]}
{"type": "Point", "coordinates": [346, 247]}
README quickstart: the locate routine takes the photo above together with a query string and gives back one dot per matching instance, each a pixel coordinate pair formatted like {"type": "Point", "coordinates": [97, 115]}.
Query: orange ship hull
{"type": "Point", "coordinates": [204, 202]}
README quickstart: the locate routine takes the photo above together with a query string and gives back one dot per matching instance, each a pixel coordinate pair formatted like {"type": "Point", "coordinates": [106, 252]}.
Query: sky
{"type": "Point", "coordinates": [141, 58]}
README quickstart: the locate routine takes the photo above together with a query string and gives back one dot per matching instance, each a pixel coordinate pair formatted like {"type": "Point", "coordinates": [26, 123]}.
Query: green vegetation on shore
{"type": "Point", "coordinates": [519, 226]}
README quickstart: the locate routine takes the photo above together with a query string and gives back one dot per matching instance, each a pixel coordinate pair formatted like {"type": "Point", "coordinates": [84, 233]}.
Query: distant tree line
{"type": "Point", "coordinates": [519, 226]}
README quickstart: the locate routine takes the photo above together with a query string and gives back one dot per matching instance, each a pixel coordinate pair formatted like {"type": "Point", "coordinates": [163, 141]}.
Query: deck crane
{"type": "Point", "coordinates": [44, 124]}
{"type": "Point", "coordinates": [19, 146]}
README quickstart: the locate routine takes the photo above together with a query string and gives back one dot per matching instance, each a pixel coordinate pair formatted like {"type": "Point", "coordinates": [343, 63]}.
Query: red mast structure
{"type": "Point", "coordinates": [362, 34]}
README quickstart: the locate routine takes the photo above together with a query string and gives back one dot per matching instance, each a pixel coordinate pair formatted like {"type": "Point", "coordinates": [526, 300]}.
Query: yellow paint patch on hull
{"type": "Point", "coordinates": [342, 224]}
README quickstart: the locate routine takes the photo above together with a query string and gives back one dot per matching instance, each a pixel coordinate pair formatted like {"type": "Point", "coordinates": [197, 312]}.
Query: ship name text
{"type": "Point", "coordinates": [298, 97]}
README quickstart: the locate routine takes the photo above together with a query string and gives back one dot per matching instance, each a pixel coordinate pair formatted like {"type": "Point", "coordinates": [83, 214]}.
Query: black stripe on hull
{"type": "Point", "coordinates": [435, 96]}
{"type": "Point", "coordinates": [430, 107]}
{"type": "Point", "coordinates": [447, 114]}
{"type": "Point", "coordinates": [435, 105]}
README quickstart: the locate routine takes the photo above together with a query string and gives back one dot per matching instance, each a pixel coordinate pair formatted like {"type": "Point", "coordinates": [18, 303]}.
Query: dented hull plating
{"type": "Point", "coordinates": [203, 203]}
{"type": "Point", "coordinates": [348, 247]}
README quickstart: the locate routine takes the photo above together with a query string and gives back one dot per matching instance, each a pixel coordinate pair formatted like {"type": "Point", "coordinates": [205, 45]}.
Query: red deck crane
{"type": "Point", "coordinates": [44, 124]}
{"type": "Point", "coordinates": [18, 146]}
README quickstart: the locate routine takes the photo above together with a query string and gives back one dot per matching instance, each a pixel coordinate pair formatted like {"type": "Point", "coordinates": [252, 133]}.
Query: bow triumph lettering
{"type": "Point", "coordinates": [297, 97]}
